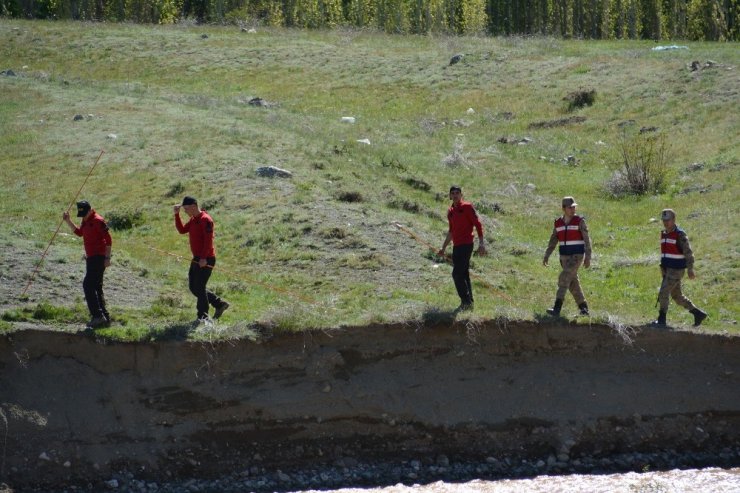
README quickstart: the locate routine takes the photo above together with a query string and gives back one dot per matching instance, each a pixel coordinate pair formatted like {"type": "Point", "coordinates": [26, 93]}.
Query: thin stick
{"type": "Point", "coordinates": [448, 259]}
{"type": "Point", "coordinates": [35, 271]}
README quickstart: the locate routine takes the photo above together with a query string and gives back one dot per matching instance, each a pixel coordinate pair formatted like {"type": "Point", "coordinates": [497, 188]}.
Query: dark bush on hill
{"type": "Point", "coordinates": [126, 219]}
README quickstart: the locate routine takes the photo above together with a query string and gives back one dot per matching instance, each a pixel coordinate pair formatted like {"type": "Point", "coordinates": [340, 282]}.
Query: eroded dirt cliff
{"type": "Point", "coordinates": [75, 408]}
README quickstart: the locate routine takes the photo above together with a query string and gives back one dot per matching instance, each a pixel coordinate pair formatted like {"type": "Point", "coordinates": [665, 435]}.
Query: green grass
{"type": "Point", "coordinates": [319, 250]}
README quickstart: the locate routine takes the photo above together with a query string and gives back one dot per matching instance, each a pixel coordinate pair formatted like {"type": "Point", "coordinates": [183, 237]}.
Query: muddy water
{"type": "Point", "coordinates": [711, 480]}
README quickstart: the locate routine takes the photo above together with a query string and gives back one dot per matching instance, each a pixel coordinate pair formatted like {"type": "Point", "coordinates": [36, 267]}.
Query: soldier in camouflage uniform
{"type": "Point", "coordinates": [571, 234]}
{"type": "Point", "coordinates": [676, 258]}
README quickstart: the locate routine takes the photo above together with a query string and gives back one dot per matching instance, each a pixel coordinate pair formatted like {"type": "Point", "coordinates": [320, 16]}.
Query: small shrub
{"type": "Point", "coordinates": [405, 205]}
{"type": "Point", "coordinates": [579, 99]}
{"type": "Point", "coordinates": [417, 184]}
{"type": "Point", "coordinates": [335, 233]}
{"type": "Point", "coordinates": [487, 207]}
{"type": "Point", "coordinates": [643, 168]}
{"type": "Point", "coordinates": [175, 190]}
{"type": "Point", "coordinates": [350, 197]}
{"type": "Point", "coordinates": [126, 219]}
{"type": "Point", "coordinates": [47, 311]}
{"type": "Point", "coordinates": [211, 204]}
{"type": "Point", "coordinates": [15, 315]}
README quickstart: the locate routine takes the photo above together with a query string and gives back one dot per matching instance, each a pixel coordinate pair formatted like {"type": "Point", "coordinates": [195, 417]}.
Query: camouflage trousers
{"type": "Point", "coordinates": [671, 286]}
{"type": "Point", "coordinates": [568, 279]}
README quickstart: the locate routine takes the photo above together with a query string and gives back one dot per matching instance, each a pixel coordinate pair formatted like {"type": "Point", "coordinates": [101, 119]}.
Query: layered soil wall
{"type": "Point", "coordinates": [75, 408]}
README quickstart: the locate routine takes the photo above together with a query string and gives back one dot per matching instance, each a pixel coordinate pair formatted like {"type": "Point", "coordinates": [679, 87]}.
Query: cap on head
{"type": "Point", "coordinates": [667, 214]}
{"type": "Point", "coordinates": [569, 202]}
{"type": "Point", "coordinates": [83, 207]}
{"type": "Point", "coordinates": [455, 188]}
{"type": "Point", "coordinates": [189, 201]}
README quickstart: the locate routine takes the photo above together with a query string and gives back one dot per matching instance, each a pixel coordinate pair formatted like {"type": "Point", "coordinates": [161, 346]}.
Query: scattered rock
{"type": "Point", "coordinates": [273, 171]}
{"type": "Point", "coordinates": [626, 123]}
{"type": "Point", "coordinates": [112, 484]}
{"type": "Point", "coordinates": [470, 111]}
{"type": "Point", "coordinates": [204, 36]}
{"type": "Point", "coordinates": [644, 130]}
{"type": "Point", "coordinates": [44, 456]}
{"type": "Point", "coordinates": [695, 65]}
{"type": "Point", "coordinates": [348, 119]}
{"type": "Point", "coordinates": [78, 118]}
{"type": "Point", "coordinates": [8, 73]}
{"type": "Point", "coordinates": [112, 136]}
{"type": "Point", "coordinates": [260, 103]}
{"type": "Point", "coordinates": [694, 167]}
{"type": "Point", "coordinates": [671, 47]}
{"type": "Point", "coordinates": [456, 58]}
{"type": "Point", "coordinates": [462, 123]}
{"type": "Point", "coordinates": [250, 30]}
{"type": "Point", "coordinates": [514, 140]}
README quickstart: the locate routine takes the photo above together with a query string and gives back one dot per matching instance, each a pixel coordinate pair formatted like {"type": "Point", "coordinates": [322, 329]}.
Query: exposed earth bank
{"type": "Point", "coordinates": [514, 398]}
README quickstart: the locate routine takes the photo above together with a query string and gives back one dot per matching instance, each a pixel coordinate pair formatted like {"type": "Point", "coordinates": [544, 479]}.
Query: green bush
{"type": "Point", "coordinates": [643, 168]}
{"type": "Point", "coordinates": [126, 219]}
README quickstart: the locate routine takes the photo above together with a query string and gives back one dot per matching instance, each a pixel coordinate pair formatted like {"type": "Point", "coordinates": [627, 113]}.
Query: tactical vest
{"type": "Point", "coordinates": [569, 236]}
{"type": "Point", "coordinates": [670, 255]}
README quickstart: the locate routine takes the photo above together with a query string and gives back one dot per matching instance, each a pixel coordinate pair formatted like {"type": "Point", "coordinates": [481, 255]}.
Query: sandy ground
{"type": "Point", "coordinates": [59, 279]}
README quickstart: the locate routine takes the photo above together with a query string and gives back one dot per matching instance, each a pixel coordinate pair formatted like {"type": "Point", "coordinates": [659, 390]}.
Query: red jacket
{"type": "Point", "coordinates": [462, 218]}
{"type": "Point", "coordinates": [95, 235]}
{"type": "Point", "coordinates": [200, 231]}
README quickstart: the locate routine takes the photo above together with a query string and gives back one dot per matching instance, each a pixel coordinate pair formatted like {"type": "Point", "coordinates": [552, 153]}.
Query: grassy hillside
{"type": "Point", "coordinates": [169, 106]}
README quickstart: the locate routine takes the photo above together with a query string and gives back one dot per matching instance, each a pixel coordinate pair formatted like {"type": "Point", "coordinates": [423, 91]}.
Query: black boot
{"type": "Point", "coordinates": [555, 310]}
{"type": "Point", "coordinates": [584, 308]}
{"type": "Point", "coordinates": [661, 320]}
{"type": "Point", "coordinates": [699, 316]}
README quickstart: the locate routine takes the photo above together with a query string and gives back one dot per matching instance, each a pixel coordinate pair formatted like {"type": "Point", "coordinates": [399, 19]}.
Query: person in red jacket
{"type": "Point", "coordinates": [200, 230]}
{"type": "Point", "coordinates": [97, 241]}
{"type": "Point", "coordinates": [462, 218]}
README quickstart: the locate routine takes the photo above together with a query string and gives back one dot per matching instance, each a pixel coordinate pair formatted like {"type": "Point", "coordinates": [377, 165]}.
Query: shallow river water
{"type": "Point", "coordinates": [712, 480]}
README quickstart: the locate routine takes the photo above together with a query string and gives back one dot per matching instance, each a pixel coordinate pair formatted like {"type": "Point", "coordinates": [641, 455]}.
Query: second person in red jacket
{"type": "Point", "coordinates": [462, 218]}
{"type": "Point", "coordinates": [200, 230]}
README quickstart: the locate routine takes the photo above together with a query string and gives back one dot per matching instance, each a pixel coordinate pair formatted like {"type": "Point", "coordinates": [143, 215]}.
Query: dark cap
{"type": "Point", "coordinates": [569, 202]}
{"type": "Point", "coordinates": [454, 188]}
{"type": "Point", "coordinates": [667, 214]}
{"type": "Point", "coordinates": [189, 201]}
{"type": "Point", "coordinates": [83, 207]}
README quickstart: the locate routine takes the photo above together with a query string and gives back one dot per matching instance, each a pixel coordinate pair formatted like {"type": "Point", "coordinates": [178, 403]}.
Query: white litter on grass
{"type": "Point", "coordinates": [112, 136]}
{"type": "Point", "coordinates": [348, 119]}
{"type": "Point", "coordinates": [364, 141]}
{"type": "Point", "coordinates": [670, 47]}
{"type": "Point", "coordinates": [470, 111]}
